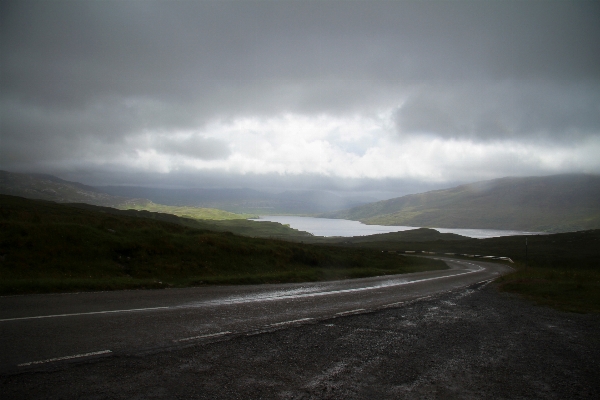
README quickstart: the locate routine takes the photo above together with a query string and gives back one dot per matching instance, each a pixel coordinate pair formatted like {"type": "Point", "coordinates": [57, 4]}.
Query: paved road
{"type": "Point", "coordinates": [45, 329]}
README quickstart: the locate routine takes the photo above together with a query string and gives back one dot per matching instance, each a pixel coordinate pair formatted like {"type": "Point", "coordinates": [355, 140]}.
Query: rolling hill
{"type": "Point", "coordinates": [48, 187]}
{"type": "Point", "coordinates": [51, 188]}
{"type": "Point", "coordinates": [244, 200]}
{"type": "Point", "coordinates": [557, 203]}
{"type": "Point", "coordinates": [51, 247]}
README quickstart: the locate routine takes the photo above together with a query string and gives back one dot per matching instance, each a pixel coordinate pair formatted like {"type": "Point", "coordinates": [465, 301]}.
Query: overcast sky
{"type": "Point", "coordinates": [350, 95]}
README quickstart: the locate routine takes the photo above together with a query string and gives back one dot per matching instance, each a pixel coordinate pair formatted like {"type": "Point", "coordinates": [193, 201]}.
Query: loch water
{"type": "Point", "coordinates": [342, 227]}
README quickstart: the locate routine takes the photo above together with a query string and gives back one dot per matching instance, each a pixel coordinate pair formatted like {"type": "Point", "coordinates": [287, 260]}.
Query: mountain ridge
{"type": "Point", "coordinates": [243, 200]}
{"type": "Point", "coordinates": [52, 188]}
{"type": "Point", "coordinates": [199, 203]}
{"type": "Point", "coordinates": [555, 203]}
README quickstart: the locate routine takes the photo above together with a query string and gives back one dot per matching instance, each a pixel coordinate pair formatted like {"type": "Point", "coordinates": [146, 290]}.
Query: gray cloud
{"type": "Point", "coordinates": [506, 110]}
{"type": "Point", "coordinates": [69, 52]}
{"type": "Point", "coordinates": [275, 183]}
{"type": "Point", "coordinates": [195, 146]}
{"type": "Point", "coordinates": [88, 78]}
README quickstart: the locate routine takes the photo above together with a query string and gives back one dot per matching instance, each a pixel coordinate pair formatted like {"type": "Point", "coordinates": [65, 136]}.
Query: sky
{"type": "Point", "coordinates": [362, 96]}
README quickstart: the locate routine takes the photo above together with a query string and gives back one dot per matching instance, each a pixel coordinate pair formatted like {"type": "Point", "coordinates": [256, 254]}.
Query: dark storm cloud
{"type": "Point", "coordinates": [505, 110]}
{"type": "Point", "coordinates": [81, 77]}
{"type": "Point", "coordinates": [274, 183]}
{"type": "Point", "coordinates": [71, 52]}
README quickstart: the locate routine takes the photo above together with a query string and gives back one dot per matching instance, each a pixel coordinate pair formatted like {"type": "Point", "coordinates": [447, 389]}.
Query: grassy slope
{"type": "Point", "coordinates": [189, 212]}
{"type": "Point", "coordinates": [412, 235]}
{"type": "Point", "coordinates": [51, 188]}
{"type": "Point", "coordinates": [565, 288]}
{"type": "Point", "coordinates": [575, 249]}
{"type": "Point", "coordinates": [53, 247]}
{"type": "Point", "coordinates": [47, 187]}
{"type": "Point", "coordinates": [556, 203]}
{"type": "Point", "coordinates": [265, 229]}
{"type": "Point", "coordinates": [562, 270]}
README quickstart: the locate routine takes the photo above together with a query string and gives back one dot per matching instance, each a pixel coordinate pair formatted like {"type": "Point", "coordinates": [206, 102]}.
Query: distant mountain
{"type": "Point", "coordinates": [48, 187]}
{"type": "Point", "coordinates": [185, 197]}
{"type": "Point", "coordinates": [556, 203]}
{"type": "Point", "coordinates": [244, 203]}
{"type": "Point", "coordinates": [243, 200]}
{"type": "Point", "coordinates": [56, 179]}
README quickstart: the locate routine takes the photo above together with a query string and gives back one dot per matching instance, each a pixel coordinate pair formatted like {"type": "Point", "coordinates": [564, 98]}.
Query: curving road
{"type": "Point", "coordinates": [45, 329]}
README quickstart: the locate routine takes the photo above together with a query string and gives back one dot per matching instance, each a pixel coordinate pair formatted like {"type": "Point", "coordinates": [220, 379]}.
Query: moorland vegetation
{"type": "Point", "coordinates": [47, 247]}
{"type": "Point", "coordinates": [561, 270]}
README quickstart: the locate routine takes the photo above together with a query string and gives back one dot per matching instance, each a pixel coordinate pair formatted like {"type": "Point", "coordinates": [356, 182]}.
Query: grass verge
{"type": "Point", "coordinates": [563, 288]}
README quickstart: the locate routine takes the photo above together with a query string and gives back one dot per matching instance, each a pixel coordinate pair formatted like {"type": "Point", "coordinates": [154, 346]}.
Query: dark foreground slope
{"type": "Point", "coordinates": [46, 247]}
{"type": "Point", "coordinates": [553, 203]}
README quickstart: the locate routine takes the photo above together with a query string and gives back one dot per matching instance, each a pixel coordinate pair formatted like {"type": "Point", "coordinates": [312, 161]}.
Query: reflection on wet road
{"type": "Point", "coordinates": [54, 327]}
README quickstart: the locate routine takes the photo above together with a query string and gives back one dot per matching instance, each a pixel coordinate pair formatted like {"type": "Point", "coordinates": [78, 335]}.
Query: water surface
{"type": "Point", "coordinates": [346, 228]}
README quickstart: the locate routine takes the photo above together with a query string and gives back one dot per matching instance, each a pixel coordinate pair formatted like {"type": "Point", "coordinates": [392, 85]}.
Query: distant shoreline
{"type": "Point", "coordinates": [329, 227]}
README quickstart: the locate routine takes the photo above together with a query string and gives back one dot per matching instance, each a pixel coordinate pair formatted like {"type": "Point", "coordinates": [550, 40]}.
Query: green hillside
{"type": "Point", "coordinates": [243, 227]}
{"type": "Point", "coordinates": [561, 269]}
{"type": "Point", "coordinates": [188, 212]}
{"type": "Point", "coordinates": [51, 188]}
{"type": "Point", "coordinates": [46, 247]}
{"type": "Point", "coordinates": [552, 204]}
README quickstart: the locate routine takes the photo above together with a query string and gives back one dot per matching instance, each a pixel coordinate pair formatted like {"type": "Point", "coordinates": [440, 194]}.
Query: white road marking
{"type": "Point", "coordinates": [95, 353]}
{"type": "Point", "coordinates": [291, 322]}
{"type": "Point", "coordinates": [391, 283]}
{"type": "Point", "coordinates": [210, 335]}
{"type": "Point", "coordinates": [393, 304]}
{"type": "Point", "coordinates": [350, 312]}
{"type": "Point", "coordinates": [485, 283]}
{"type": "Point", "coordinates": [85, 313]}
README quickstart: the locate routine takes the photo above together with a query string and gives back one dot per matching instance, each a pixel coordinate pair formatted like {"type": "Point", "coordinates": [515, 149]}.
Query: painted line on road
{"type": "Point", "coordinates": [484, 283]}
{"type": "Point", "coordinates": [210, 335]}
{"type": "Point", "coordinates": [95, 353]}
{"type": "Point", "coordinates": [392, 283]}
{"type": "Point", "coordinates": [291, 322]}
{"type": "Point", "coordinates": [351, 311]}
{"type": "Point", "coordinates": [85, 313]}
{"type": "Point", "coordinates": [394, 304]}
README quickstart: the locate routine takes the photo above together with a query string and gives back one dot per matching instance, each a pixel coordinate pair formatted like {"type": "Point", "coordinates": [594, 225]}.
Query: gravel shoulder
{"type": "Point", "coordinates": [470, 343]}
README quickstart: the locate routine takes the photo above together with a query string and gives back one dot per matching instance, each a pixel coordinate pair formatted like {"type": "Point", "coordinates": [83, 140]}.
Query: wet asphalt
{"type": "Point", "coordinates": [42, 329]}
{"type": "Point", "coordinates": [468, 343]}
